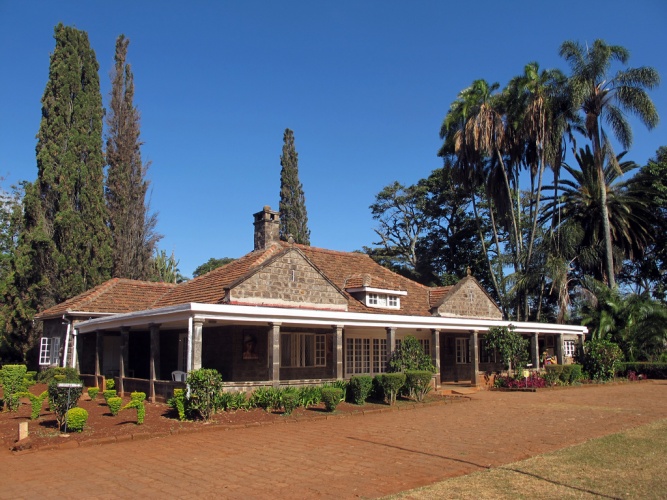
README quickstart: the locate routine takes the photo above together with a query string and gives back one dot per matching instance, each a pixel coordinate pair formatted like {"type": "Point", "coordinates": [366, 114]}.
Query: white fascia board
{"type": "Point", "coordinates": [369, 289]}
{"type": "Point", "coordinates": [236, 313]}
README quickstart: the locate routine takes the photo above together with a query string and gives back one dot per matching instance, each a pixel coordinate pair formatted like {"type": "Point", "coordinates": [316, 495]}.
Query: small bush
{"type": "Point", "coordinates": [232, 401]}
{"type": "Point", "coordinates": [601, 359]}
{"type": "Point", "coordinates": [93, 392]}
{"type": "Point", "coordinates": [141, 396]}
{"type": "Point", "coordinates": [534, 381]}
{"type": "Point", "coordinates": [571, 374]}
{"type": "Point", "coordinates": [29, 378]}
{"type": "Point", "coordinates": [109, 393]}
{"type": "Point", "coordinates": [343, 385]}
{"type": "Point", "coordinates": [12, 379]}
{"type": "Point", "coordinates": [110, 383]}
{"type": "Point", "coordinates": [391, 384]}
{"type": "Point", "coordinates": [360, 388]}
{"type": "Point", "coordinates": [290, 400]}
{"type": "Point", "coordinates": [332, 396]}
{"type": "Point", "coordinates": [178, 403]}
{"type": "Point", "coordinates": [418, 383]}
{"type": "Point", "coordinates": [114, 404]}
{"type": "Point", "coordinates": [61, 399]}
{"type": "Point", "coordinates": [309, 396]}
{"type": "Point", "coordinates": [36, 403]}
{"type": "Point", "coordinates": [647, 370]}
{"type": "Point", "coordinates": [377, 392]}
{"type": "Point", "coordinates": [205, 385]}
{"type": "Point", "coordinates": [76, 419]}
{"type": "Point", "coordinates": [268, 398]}
{"type": "Point", "coordinates": [138, 404]}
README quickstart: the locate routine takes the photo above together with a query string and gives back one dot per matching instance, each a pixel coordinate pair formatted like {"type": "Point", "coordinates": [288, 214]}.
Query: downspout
{"type": "Point", "coordinates": [69, 328]}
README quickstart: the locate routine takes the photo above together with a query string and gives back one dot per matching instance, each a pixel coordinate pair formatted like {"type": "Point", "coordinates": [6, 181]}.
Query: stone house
{"type": "Point", "coordinates": [284, 314]}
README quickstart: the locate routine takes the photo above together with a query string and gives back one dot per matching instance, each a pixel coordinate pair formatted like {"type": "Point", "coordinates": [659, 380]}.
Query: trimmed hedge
{"type": "Point", "coordinates": [76, 419]}
{"type": "Point", "coordinates": [12, 379]}
{"type": "Point", "coordinates": [360, 388]}
{"type": "Point", "coordinates": [566, 374]}
{"type": "Point", "coordinates": [331, 397]}
{"type": "Point", "coordinates": [649, 370]}
{"type": "Point", "coordinates": [391, 384]}
{"type": "Point", "coordinates": [93, 392]}
{"type": "Point", "coordinates": [114, 405]}
{"type": "Point", "coordinates": [418, 383]}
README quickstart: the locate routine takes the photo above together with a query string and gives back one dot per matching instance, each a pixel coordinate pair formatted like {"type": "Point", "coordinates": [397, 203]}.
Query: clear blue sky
{"type": "Point", "coordinates": [363, 84]}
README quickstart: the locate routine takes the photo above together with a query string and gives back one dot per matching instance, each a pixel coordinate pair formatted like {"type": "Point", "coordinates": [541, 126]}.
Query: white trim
{"type": "Point", "coordinates": [369, 289]}
{"type": "Point", "coordinates": [69, 327]}
{"type": "Point", "coordinates": [74, 353]}
{"type": "Point", "coordinates": [234, 313]}
{"type": "Point", "coordinates": [189, 360]}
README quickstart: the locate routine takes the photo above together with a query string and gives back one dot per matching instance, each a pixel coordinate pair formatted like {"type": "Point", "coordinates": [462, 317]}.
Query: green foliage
{"type": "Point", "coordinates": [61, 399]}
{"type": "Point", "coordinates": [309, 395]}
{"type": "Point", "coordinates": [12, 379]}
{"type": "Point", "coordinates": [418, 383]}
{"type": "Point", "coordinates": [177, 402]}
{"type": "Point", "coordinates": [360, 388]}
{"type": "Point", "coordinates": [565, 374]}
{"type": "Point", "coordinates": [231, 401]}
{"type": "Point", "coordinates": [108, 394]}
{"type": "Point", "coordinates": [36, 403]}
{"type": "Point", "coordinates": [511, 346]}
{"type": "Point", "coordinates": [293, 214]}
{"type": "Point", "coordinates": [204, 385]}
{"type": "Point", "coordinates": [64, 246]}
{"type": "Point", "coordinates": [137, 403]}
{"type": "Point", "coordinates": [46, 376]}
{"type": "Point", "coordinates": [648, 370]}
{"type": "Point", "coordinates": [29, 378]}
{"type": "Point", "coordinates": [601, 359]}
{"type": "Point", "coordinates": [343, 385]}
{"type": "Point", "coordinates": [391, 384]}
{"type": "Point", "coordinates": [110, 383]}
{"type": "Point", "coordinates": [267, 398]}
{"type": "Point", "coordinates": [332, 396]}
{"type": "Point", "coordinates": [290, 400]}
{"type": "Point", "coordinates": [164, 268]}
{"type": "Point", "coordinates": [409, 355]}
{"type": "Point", "coordinates": [140, 396]}
{"type": "Point", "coordinates": [76, 419]}
{"type": "Point", "coordinates": [93, 392]}
{"type": "Point", "coordinates": [210, 265]}
{"type": "Point", "coordinates": [132, 228]}
{"type": "Point", "coordinates": [114, 403]}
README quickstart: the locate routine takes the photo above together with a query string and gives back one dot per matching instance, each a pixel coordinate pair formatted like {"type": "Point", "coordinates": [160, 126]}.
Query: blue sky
{"type": "Point", "coordinates": [365, 86]}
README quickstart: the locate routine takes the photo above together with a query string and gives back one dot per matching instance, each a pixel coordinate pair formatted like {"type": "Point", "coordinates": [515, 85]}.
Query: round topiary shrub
{"type": "Point", "coordinates": [108, 394]}
{"type": "Point", "coordinates": [360, 388]}
{"type": "Point", "coordinates": [331, 396]}
{"type": "Point", "coordinates": [114, 405]}
{"type": "Point", "coordinates": [76, 419]}
{"type": "Point", "coordinates": [92, 392]}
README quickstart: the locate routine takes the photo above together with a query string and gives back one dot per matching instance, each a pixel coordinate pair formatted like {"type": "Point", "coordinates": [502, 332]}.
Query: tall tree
{"type": "Point", "coordinates": [293, 215]}
{"type": "Point", "coordinates": [64, 247]}
{"type": "Point", "coordinates": [606, 98]}
{"type": "Point", "coordinates": [132, 227]}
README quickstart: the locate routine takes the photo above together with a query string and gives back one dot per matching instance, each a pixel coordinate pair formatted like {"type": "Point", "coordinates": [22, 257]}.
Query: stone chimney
{"type": "Point", "coordinates": [267, 228]}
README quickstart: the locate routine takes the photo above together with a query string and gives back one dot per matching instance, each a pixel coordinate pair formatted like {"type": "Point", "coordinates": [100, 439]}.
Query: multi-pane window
{"type": "Point", "coordinates": [49, 350]}
{"type": "Point", "coordinates": [382, 300]}
{"type": "Point", "coordinates": [379, 355]}
{"type": "Point", "coordinates": [462, 351]}
{"type": "Point", "coordinates": [486, 354]}
{"type": "Point", "coordinates": [569, 348]}
{"type": "Point", "coordinates": [358, 356]}
{"type": "Point", "coordinates": [426, 346]}
{"type": "Point", "coordinates": [300, 350]}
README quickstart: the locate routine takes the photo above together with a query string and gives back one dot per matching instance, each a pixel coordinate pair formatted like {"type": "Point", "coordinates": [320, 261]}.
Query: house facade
{"type": "Point", "coordinates": [284, 314]}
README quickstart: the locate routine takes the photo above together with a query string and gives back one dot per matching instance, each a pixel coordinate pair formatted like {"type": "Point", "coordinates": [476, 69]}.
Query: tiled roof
{"type": "Point", "coordinates": [114, 296]}
{"type": "Point", "coordinates": [343, 269]}
{"type": "Point", "coordinates": [210, 287]}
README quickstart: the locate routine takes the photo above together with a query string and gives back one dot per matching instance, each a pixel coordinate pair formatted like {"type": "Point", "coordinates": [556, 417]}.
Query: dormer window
{"type": "Point", "coordinates": [382, 300]}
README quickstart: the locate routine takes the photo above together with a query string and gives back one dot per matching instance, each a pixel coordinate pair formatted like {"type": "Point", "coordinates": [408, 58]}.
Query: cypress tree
{"type": "Point", "coordinates": [293, 215]}
{"type": "Point", "coordinates": [132, 228]}
{"type": "Point", "coordinates": [64, 246]}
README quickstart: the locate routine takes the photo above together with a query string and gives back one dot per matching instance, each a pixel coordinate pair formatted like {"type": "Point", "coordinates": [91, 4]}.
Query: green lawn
{"type": "Point", "coordinates": [626, 465]}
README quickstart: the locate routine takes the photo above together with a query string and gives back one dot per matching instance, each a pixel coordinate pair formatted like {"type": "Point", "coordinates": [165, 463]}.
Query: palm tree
{"type": "Point", "coordinates": [579, 205]}
{"type": "Point", "coordinates": [607, 98]}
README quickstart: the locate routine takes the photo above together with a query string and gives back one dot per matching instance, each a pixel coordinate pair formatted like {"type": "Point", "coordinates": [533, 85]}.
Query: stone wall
{"type": "Point", "coordinates": [289, 280]}
{"type": "Point", "coordinates": [468, 300]}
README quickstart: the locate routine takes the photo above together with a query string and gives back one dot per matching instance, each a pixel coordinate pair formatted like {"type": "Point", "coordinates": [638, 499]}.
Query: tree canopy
{"type": "Point", "coordinates": [293, 215]}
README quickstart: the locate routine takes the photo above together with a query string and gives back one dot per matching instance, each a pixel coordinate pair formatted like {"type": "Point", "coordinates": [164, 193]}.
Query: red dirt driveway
{"type": "Point", "coordinates": [363, 456]}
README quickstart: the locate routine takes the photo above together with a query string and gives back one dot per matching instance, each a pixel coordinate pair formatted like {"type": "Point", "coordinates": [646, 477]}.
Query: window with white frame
{"type": "Point", "coordinates": [379, 355]}
{"type": "Point", "coordinates": [486, 354]}
{"type": "Point", "coordinates": [358, 356]}
{"type": "Point", "coordinates": [462, 351]}
{"type": "Point", "coordinates": [383, 300]}
{"type": "Point", "coordinates": [569, 348]}
{"type": "Point", "coordinates": [426, 346]}
{"type": "Point", "coordinates": [49, 349]}
{"type": "Point", "coordinates": [301, 350]}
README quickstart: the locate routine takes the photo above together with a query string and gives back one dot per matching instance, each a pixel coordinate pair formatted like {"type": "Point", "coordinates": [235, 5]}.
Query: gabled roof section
{"type": "Point", "coordinates": [467, 299]}
{"type": "Point", "coordinates": [367, 280]}
{"type": "Point", "coordinates": [211, 287]}
{"type": "Point", "coordinates": [437, 294]}
{"type": "Point", "coordinates": [343, 268]}
{"type": "Point", "coordinates": [118, 295]}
